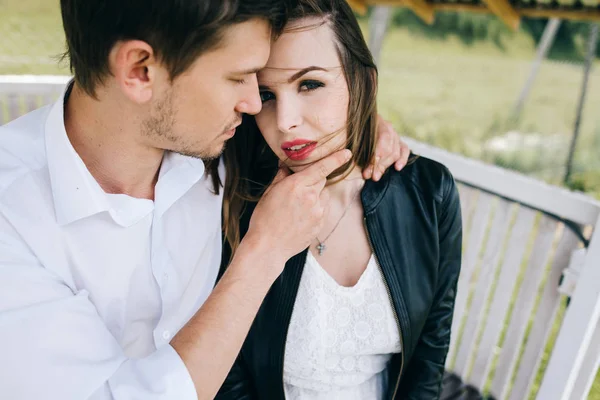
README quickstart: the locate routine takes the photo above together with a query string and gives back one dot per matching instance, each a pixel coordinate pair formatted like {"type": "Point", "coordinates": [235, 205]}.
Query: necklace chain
{"type": "Point", "coordinates": [321, 246]}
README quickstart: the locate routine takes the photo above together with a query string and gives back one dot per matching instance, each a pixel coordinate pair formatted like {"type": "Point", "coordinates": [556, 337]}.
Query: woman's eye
{"type": "Point", "coordinates": [266, 96]}
{"type": "Point", "coordinates": [308, 86]}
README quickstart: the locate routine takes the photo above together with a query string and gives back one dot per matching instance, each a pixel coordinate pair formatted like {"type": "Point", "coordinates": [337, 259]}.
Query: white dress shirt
{"type": "Point", "coordinates": [93, 286]}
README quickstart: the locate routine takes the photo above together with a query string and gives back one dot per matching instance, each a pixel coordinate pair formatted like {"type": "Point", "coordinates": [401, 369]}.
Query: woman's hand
{"type": "Point", "coordinates": [390, 149]}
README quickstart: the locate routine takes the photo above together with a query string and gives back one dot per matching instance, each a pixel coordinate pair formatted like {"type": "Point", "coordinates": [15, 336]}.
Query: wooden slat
{"type": "Point", "coordinates": [488, 268]}
{"type": "Point", "coordinates": [573, 15]}
{"type": "Point", "coordinates": [505, 12]}
{"type": "Point", "coordinates": [360, 6]}
{"type": "Point", "coordinates": [422, 9]}
{"type": "Point", "coordinates": [504, 289]}
{"type": "Point", "coordinates": [509, 355]}
{"type": "Point", "coordinates": [3, 109]}
{"type": "Point", "coordinates": [544, 316]}
{"type": "Point", "coordinates": [48, 99]}
{"type": "Point", "coordinates": [575, 207]}
{"type": "Point", "coordinates": [14, 106]}
{"type": "Point", "coordinates": [468, 198]}
{"type": "Point", "coordinates": [473, 245]}
{"type": "Point", "coordinates": [32, 102]}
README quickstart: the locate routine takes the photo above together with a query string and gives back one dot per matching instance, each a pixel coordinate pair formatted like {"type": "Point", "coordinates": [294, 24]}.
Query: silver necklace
{"type": "Point", "coordinates": [321, 246]}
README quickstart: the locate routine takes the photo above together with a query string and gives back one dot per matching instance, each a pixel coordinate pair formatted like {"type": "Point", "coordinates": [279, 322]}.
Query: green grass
{"type": "Point", "coordinates": [442, 91]}
{"type": "Point", "coordinates": [32, 37]}
{"type": "Point", "coordinates": [458, 96]}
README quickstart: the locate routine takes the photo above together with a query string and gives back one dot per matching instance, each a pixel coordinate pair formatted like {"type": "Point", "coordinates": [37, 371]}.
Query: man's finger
{"type": "Point", "coordinates": [319, 171]}
{"type": "Point", "coordinates": [404, 154]}
{"type": "Point", "coordinates": [368, 171]}
{"type": "Point", "coordinates": [383, 164]}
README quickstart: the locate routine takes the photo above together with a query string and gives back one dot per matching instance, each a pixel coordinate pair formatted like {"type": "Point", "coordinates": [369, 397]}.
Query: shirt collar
{"type": "Point", "coordinates": [78, 195]}
{"type": "Point", "coordinates": [178, 173]}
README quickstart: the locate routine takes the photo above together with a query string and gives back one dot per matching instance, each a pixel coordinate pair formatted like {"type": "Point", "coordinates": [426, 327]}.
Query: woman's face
{"type": "Point", "coordinates": [304, 95]}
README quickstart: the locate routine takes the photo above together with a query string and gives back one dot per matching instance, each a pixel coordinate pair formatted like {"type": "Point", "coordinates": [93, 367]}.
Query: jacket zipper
{"type": "Point", "coordinates": [387, 287]}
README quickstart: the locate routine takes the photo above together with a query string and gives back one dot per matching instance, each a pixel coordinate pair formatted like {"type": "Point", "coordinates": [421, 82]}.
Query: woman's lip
{"type": "Point", "coordinates": [302, 154]}
{"type": "Point", "coordinates": [297, 142]}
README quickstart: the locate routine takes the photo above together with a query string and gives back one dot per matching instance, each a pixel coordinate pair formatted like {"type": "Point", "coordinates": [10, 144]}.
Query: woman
{"type": "Point", "coordinates": [365, 312]}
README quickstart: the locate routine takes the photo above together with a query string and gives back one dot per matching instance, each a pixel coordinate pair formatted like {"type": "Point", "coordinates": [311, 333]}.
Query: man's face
{"type": "Point", "coordinates": [199, 112]}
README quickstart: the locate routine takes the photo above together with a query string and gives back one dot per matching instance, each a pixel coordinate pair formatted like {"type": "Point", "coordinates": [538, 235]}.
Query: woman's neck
{"type": "Point", "coordinates": [345, 191]}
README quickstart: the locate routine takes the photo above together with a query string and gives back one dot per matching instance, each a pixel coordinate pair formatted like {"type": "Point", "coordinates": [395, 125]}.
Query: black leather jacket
{"type": "Point", "coordinates": [414, 225]}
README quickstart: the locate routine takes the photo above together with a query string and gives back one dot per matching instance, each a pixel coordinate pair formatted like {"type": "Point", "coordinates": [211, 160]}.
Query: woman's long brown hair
{"type": "Point", "coordinates": [247, 154]}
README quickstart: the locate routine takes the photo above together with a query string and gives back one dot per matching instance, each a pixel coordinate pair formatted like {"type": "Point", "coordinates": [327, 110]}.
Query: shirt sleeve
{"type": "Point", "coordinates": [54, 345]}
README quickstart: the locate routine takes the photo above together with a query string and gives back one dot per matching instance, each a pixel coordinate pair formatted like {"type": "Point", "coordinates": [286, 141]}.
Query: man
{"type": "Point", "coordinates": [110, 237]}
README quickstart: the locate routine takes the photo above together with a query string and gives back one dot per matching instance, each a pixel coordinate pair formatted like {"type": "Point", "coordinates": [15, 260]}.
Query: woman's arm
{"type": "Point", "coordinates": [423, 375]}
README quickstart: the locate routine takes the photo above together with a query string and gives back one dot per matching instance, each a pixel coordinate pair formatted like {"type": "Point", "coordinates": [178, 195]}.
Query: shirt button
{"type": "Point", "coordinates": [166, 335]}
{"type": "Point", "coordinates": [165, 277]}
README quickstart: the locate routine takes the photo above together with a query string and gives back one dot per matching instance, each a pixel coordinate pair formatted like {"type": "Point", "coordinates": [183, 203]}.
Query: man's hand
{"type": "Point", "coordinates": [290, 213]}
{"type": "Point", "coordinates": [389, 150]}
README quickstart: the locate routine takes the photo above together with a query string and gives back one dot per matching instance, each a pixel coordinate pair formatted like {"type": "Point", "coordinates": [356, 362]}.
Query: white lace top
{"type": "Point", "coordinates": [340, 339]}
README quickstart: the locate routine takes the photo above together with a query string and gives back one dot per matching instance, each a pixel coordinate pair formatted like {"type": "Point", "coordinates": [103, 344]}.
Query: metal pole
{"type": "Point", "coordinates": [589, 58]}
{"type": "Point", "coordinates": [545, 45]}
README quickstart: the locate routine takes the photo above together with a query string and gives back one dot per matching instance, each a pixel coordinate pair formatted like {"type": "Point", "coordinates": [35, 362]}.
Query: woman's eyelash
{"type": "Point", "coordinates": [266, 96]}
{"type": "Point", "coordinates": [240, 81]}
{"type": "Point", "coordinates": [311, 85]}
{"type": "Point", "coordinates": [305, 86]}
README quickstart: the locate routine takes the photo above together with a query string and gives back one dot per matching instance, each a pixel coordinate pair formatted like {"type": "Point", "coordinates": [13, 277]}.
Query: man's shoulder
{"type": "Point", "coordinates": [22, 147]}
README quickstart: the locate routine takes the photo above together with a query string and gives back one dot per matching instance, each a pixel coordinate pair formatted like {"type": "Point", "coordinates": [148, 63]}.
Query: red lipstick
{"type": "Point", "coordinates": [299, 149]}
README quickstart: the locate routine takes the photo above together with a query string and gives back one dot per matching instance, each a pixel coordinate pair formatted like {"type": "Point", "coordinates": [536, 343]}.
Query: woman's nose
{"type": "Point", "coordinates": [288, 114]}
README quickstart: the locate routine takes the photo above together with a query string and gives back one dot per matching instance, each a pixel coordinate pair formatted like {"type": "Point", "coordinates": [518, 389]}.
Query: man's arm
{"type": "Point", "coordinates": [283, 224]}
{"type": "Point", "coordinates": [54, 345]}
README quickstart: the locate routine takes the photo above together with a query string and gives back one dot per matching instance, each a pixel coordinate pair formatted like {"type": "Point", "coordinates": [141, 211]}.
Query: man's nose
{"type": "Point", "coordinates": [250, 103]}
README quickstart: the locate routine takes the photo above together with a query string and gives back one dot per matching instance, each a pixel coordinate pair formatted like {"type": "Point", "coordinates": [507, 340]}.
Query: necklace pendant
{"type": "Point", "coordinates": [321, 248]}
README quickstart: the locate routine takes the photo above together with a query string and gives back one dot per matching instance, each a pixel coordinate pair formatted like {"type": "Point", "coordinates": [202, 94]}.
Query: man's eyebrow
{"type": "Point", "coordinates": [304, 71]}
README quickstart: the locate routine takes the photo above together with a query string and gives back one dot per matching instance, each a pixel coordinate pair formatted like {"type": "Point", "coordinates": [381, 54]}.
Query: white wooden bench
{"type": "Point", "coordinates": [20, 94]}
{"type": "Point", "coordinates": [527, 246]}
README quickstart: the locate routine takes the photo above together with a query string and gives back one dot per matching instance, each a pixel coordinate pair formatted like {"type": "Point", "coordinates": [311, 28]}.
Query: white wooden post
{"type": "Point", "coordinates": [545, 44]}
{"type": "Point", "coordinates": [589, 368]}
{"type": "Point", "coordinates": [577, 330]}
{"type": "Point", "coordinates": [377, 27]}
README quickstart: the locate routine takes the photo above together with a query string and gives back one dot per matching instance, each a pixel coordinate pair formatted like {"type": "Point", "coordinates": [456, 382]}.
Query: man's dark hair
{"type": "Point", "coordinates": [178, 30]}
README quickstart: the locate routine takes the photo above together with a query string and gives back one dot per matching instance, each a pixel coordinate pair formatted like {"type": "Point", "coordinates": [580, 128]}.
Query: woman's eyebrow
{"type": "Point", "coordinates": [304, 71]}
{"type": "Point", "coordinates": [297, 75]}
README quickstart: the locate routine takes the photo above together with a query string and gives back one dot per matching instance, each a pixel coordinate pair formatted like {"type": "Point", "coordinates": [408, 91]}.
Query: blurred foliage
{"type": "Point", "coordinates": [569, 43]}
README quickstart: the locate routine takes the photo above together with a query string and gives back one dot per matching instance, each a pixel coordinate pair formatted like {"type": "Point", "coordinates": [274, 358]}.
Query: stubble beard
{"type": "Point", "coordinates": [160, 125]}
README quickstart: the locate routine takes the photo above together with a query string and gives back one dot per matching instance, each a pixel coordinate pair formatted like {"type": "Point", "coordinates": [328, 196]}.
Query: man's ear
{"type": "Point", "coordinates": [134, 65]}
